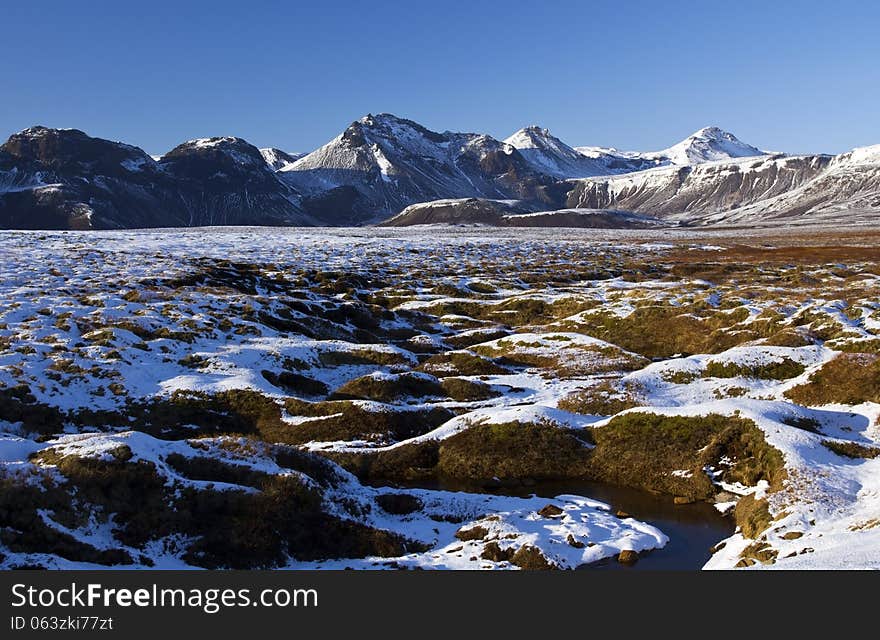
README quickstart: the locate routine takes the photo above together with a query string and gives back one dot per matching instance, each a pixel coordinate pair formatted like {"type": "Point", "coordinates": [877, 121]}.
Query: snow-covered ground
{"type": "Point", "coordinates": [105, 321]}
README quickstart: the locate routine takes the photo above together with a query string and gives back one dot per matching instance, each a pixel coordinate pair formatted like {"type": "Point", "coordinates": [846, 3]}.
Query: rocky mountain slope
{"type": "Point", "coordinates": [549, 155]}
{"type": "Point", "coordinates": [685, 193]}
{"type": "Point", "coordinates": [381, 165]}
{"type": "Point", "coordinates": [276, 158]}
{"type": "Point", "coordinates": [63, 178]}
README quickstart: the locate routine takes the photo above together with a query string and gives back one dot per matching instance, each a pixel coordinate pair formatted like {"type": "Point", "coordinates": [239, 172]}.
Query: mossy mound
{"type": "Point", "coordinates": [512, 452]}
{"type": "Point", "coordinates": [603, 399]}
{"type": "Point", "coordinates": [852, 450]}
{"type": "Point", "coordinates": [752, 516]}
{"type": "Point", "coordinates": [469, 339]}
{"type": "Point", "coordinates": [389, 388]}
{"type": "Point", "coordinates": [346, 420]}
{"type": "Point", "coordinates": [668, 453]}
{"type": "Point", "coordinates": [557, 356]}
{"type": "Point", "coordinates": [663, 331]}
{"type": "Point", "coordinates": [295, 383]}
{"type": "Point", "coordinates": [192, 414]}
{"type": "Point", "coordinates": [17, 404]}
{"type": "Point", "coordinates": [482, 453]}
{"type": "Point", "coordinates": [462, 363]}
{"type": "Point", "coordinates": [850, 378]}
{"type": "Point", "coordinates": [783, 369]}
{"type": "Point", "coordinates": [462, 390]}
{"type": "Point", "coordinates": [790, 338]}
{"type": "Point", "coordinates": [226, 529]}
{"type": "Point", "coordinates": [362, 356]}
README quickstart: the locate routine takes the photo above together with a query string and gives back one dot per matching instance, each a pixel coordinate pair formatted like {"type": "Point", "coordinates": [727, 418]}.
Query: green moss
{"type": "Point", "coordinates": [776, 370]}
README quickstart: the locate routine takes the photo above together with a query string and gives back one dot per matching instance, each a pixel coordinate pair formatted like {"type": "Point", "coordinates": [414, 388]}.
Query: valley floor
{"type": "Point", "coordinates": [309, 398]}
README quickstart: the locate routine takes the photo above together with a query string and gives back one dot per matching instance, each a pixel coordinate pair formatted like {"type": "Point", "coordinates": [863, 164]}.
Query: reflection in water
{"type": "Point", "coordinates": [692, 528]}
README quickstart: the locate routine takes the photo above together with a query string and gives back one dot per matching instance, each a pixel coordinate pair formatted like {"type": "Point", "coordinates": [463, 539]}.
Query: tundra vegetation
{"type": "Point", "coordinates": [246, 398]}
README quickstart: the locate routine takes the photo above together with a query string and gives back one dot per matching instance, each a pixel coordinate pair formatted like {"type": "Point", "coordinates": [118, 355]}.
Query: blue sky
{"type": "Point", "coordinates": [793, 76]}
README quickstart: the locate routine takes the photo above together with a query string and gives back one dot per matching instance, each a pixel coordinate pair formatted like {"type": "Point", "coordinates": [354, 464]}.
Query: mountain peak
{"type": "Point", "coordinates": [709, 144]}
{"type": "Point", "coordinates": [227, 149]}
{"type": "Point", "coordinates": [536, 137]}
{"type": "Point", "coordinates": [711, 132]}
{"type": "Point", "coordinates": [276, 158]}
{"type": "Point", "coordinates": [549, 155]}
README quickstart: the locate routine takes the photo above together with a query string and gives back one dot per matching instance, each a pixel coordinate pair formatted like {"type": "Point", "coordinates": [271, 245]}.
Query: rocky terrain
{"type": "Point", "coordinates": [63, 178]}
{"type": "Point", "coordinates": [381, 165]}
{"type": "Point", "coordinates": [390, 398]}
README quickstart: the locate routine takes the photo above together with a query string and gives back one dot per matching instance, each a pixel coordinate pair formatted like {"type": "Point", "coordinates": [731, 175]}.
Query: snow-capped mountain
{"type": "Point", "coordinates": [63, 178]}
{"type": "Point", "coordinates": [226, 180]}
{"type": "Point", "coordinates": [277, 159]}
{"type": "Point", "coordinates": [845, 192]}
{"type": "Point", "coordinates": [709, 144]}
{"type": "Point", "coordinates": [549, 155]}
{"type": "Point", "coordinates": [686, 193]}
{"type": "Point", "coordinates": [382, 163]}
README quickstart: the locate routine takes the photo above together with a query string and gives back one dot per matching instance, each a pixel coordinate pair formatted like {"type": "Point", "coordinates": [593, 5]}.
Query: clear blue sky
{"type": "Point", "coordinates": [793, 76]}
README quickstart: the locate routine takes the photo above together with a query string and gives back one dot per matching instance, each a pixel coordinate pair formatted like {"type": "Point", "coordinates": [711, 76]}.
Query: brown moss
{"type": "Point", "coordinates": [345, 420]}
{"type": "Point", "coordinates": [493, 552]}
{"type": "Point", "coordinates": [760, 552]}
{"type": "Point", "coordinates": [472, 533]}
{"type": "Point", "coordinates": [752, 516]}
{"type": "Point", "coordinates": [462, 363]}
{"type": "Point", "coordinates": [660, 331]}
{"type": "Point", "coordinates": [643, 449]}
{"type": "Point", "coordinates": [530, 558]}
{"type": "Point", "coordinates": [852, 450]}
{"type": "Point", "coordinates": [295, 383]}
{"type": "Point", "coordinates": [511, 452]}
{"type": "Point", "coordinates": [850, 378]}
{"type": "Point", "coordinates": [389, 389]}
{"type": "Point", "coordinates": [603, 399]}
{"type": "Point", "coordinates": [462, 390]}
{"type": "Point", "coordinates": [400, 504]}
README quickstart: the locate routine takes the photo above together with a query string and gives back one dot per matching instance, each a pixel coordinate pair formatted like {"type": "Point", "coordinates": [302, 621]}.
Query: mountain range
{"type": "Point", "coordinates": [386, 169]}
